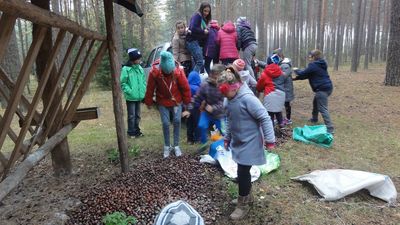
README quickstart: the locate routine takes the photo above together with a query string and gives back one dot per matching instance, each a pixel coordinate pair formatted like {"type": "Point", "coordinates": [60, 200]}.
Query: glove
{"type": "Point", "coordinates": [226, 144]}
{"type": "Point", "coordinates": [269, 145]}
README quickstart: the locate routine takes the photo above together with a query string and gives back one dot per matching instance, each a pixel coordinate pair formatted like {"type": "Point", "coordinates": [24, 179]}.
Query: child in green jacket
{"type": "Point", "coordinates": [133, 84]}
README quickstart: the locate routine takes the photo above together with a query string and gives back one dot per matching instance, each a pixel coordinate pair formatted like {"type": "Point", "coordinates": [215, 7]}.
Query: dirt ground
{"type": "Point", "coordinates": [44, 199]}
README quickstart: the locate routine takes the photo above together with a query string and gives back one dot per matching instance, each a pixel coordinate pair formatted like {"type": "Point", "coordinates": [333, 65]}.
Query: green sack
{"type": "Point", "coordinates": [317, 135]}
{"type": "Point", "coordinates": [273, 163]}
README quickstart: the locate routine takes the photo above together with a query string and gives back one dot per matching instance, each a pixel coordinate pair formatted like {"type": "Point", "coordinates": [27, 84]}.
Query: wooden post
{"type": "Point", "coordinates": [7, 23]}
{"type": "Point", "coordinates": [116, 89]}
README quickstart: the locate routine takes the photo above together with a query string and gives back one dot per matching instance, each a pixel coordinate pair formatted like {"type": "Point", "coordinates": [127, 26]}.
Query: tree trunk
{"type": "Point", "coordinates": [339, 36]}
{"type": "Point", "coordinates": [369, 37]}
{"type": "Point", "coordinates": [260, 29]}
{"type": "Point", "coordinates": [393, 67]}
{"type": "Point", "coordinates": [61, 159]}
{"type": "Point", "coordinates": [116, 90]}
{"type": "Point", "coordinates": [356, 39]}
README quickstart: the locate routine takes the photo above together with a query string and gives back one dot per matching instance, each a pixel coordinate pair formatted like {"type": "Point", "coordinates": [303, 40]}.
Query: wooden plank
{"type": "Point", "coordinates": [25, 10]}
{"type": "Point", "coordinates": [10, 132]}
{"type": "Point", "coordinates": [3, 77]}
{"type": "Point", "coordinates": [8, 184]}
{"type": "Point", "coordinates": [86, 114]}
{"type": "Point", "coordinates": [78, 76]}
{"type": "Point", "coordinates": [116, 88]}
{"type": "Point", "coordinates": [85, 83]}
{"type": "Point", "coordinates": [21, 82]}
{"type": "Point", "coordinates": [35, 101]}
{"type": "Point", "coordinates": [52, 94]}
{"type": "Point", "coordinates": [7, 23]}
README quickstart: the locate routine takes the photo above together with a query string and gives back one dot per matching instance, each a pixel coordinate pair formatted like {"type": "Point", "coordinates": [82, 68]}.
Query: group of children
{"type": "Point", "coordinates": [229, 95]}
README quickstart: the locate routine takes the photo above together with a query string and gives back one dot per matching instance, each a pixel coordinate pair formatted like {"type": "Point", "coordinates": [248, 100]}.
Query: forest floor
{"type": "Point", "coordinates": [366, 115]}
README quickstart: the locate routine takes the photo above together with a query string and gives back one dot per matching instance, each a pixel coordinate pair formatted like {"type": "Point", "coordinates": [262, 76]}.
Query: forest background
{"type": "Point", "coordinates": [352, 32]}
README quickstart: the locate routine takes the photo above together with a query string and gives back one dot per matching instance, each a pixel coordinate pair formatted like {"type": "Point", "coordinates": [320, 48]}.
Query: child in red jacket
{"type": "Point", "coordinates": [171, 88]}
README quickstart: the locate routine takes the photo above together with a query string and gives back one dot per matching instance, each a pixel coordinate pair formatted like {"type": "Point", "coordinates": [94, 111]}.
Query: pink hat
{"type": "Point", "coordinates": [239, 64]}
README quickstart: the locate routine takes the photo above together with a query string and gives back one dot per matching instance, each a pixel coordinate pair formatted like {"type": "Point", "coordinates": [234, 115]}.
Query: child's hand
{"type": "Point", "coordinates": [202, 106]}
{"type": "Point", "coordinates": [269, 145]}
{"type": "Point", "coordinates": [209, 108]}
{"type": "Point", "coordinates": [226, 144]}
{"type": "Point", "coordinates": [185, 114]}
{"type": "Point", "coordinates": [295, 68]}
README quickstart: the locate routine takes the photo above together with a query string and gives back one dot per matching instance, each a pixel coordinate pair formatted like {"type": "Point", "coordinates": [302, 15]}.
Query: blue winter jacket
{"type": "Point", "coordinates": [194, 82]}
{"type": "Point", "coordinates": [317, 75]}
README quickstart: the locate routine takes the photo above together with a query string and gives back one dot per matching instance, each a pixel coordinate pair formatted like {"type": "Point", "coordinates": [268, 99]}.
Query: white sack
{"type": "Point", "coordinates": [337, 183]}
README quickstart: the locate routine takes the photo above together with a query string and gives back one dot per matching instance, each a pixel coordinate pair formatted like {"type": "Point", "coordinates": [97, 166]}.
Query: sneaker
{"type": "Point", "coordinates": [287, 121]}
{"type": "Point", "coordinates": [331, 131]}
{"type": "Point", "coordinates": [140, 134]}
{"type": "Point", "coordinates": [167, 150]}
{"type": "Point", "coordinates": [178, 151]}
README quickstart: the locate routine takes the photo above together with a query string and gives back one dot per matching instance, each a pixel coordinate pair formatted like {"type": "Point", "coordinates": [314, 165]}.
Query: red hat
{"type": "Point", "coordinates": [239, 64]}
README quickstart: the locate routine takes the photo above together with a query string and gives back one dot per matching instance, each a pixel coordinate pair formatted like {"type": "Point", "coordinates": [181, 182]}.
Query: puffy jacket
{"type": "Point", "coordinates": [227, 41]}
{"type": "Point", "coordinates": [171, 90]}
{"type": "Point", "coordinates": [271, 79]}
{"type": "Point", "coordinates": [246, 36]}
{"type": "Point", "coordinates": [317, 75]}
{"type": "Point", "coordinates": [181, 54]}
{"type": "Point", "coordinates": [133, 82]}
{"type": "Point", "coordinates": [210, 93]}
{"type": "Point", "coordinates": [211, 48]}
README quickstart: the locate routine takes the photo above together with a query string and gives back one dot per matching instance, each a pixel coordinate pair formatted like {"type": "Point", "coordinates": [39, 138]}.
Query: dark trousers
{"type": "Point", "coordinates": [227, 61]}
{"type": "Point", "coordinates": [277, 115]}
{"type": "Point", "coordinates": [133, 108]}
{"type": "Point", "coordinates": [244, 179]}
{"type": "Point", "coordinates": [320, 104]}
{"type": "Point", "coordinates": [192, 132]}
{"type": "Point", "coordinates": [207, 63]}
{"type": "Point", "coordinates": [288, 109]}
{"type": "Point", "coordinates": [187, 65]}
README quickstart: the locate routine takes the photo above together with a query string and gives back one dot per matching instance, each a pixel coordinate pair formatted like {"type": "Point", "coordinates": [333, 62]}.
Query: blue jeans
{"type": "Point", "coordinates": [320, 104]}
{"type": "Point", "coordinates": [133, 108]}
{"type": "Point", "coordinates": [176, 112]}
{"type": "Point", "coordinates": [196, 51]}
{"type": "Point", "coordinates": [204, 123]}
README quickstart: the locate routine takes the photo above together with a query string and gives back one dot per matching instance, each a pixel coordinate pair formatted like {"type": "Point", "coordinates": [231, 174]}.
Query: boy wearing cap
{"type": "Point", "coordinates": [133, 85]}
{"type": "Point", "coordinates": [168, 81]}
{"type": "Point", "coordinates": [321, 84]}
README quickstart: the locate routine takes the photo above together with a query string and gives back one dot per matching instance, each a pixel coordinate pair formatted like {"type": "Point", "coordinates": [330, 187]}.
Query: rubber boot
{"type": "Point", "coordinates": [166, 152]}
{"type": "Point", "coordinates": [242, 208]}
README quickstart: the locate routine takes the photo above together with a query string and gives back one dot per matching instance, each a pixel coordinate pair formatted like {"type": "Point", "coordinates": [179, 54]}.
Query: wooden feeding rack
{"type": "Point", "coordinates": [52, 112]}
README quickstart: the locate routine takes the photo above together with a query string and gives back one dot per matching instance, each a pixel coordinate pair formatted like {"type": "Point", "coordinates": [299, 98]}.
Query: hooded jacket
{"type": "Point", "coordinates": [170, 89]}
{"type": "Point", "coordinates": [194, 82]}
{"type": "Point", "coordinates": [246, 36]}
{"type": "Point", "coordinates": [317, 75]}
{"type": "Point", "coordinates": [227, 41]}
{"type": "Point", "coordinates": [133, 82]}
{"type": "Point", "coordinates": [210, 93]}
{"type": "Point", "coordinates": [211, 48]}
{"type": "Point", "coordinates": [271, 79]}
{"type": "Point", "coordinates": [248, 127]}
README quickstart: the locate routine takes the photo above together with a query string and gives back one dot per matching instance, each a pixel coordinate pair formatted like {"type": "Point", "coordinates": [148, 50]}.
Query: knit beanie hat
{"type": "Point", "coordinates": [241, 19]}
{"type": "Point", "coordinates": [134, 54]}
{"type": "Point", "coordinates": [239, 64]}
{"type": "Point", "coordinates": [167, 62]}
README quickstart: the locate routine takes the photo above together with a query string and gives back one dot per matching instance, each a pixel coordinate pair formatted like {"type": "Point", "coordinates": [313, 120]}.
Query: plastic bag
{"type": "Point", "coordinates": [317, 135]}
{"type": "Point", "coordinates": [273, 163]}
{"type": "Point", "coordinates": [337, 183]}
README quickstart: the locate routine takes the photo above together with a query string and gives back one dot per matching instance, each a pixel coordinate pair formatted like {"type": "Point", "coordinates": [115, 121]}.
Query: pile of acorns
{"type": "Point", "coordinates": [150, 186]}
